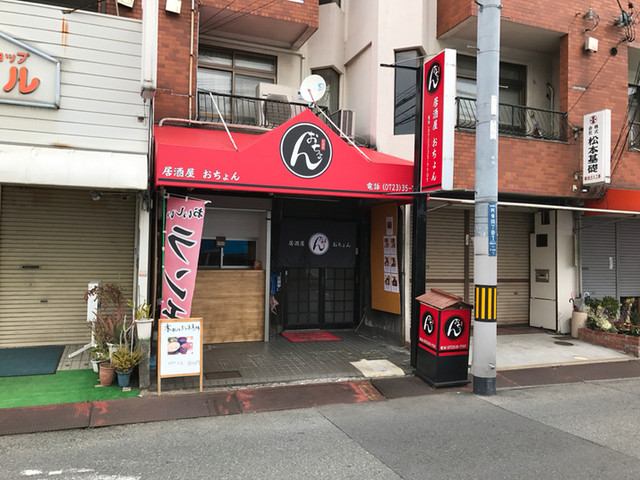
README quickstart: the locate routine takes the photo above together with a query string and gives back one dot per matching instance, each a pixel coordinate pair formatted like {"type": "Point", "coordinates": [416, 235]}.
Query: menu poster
{"type": "Point", "coordinates": [385, 258]}
{"type": "Point", "coordinates": [390, 250]}
{"type": "Point", "coordinates": [179, 348]}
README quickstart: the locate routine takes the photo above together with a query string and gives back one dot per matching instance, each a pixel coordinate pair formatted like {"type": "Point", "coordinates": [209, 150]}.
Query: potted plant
{"type": "Point", "coordinates": [106, 374]}
{"type": "Point", "coordinates": [143, 320]}
{"type": "Point", "coordinates": [125, 359]}
{"type": "Point", "coordinates": [99, 354]}
{"type": "Point", "coordinates": [110, 318]}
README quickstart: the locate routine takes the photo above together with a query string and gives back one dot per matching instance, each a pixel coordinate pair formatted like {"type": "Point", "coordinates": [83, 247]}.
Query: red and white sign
{"type": "Point", "coordinates": [596, 148]}
{"type": "Point", "coordinates": [183, 232]}
{"type": "Point", "coordinates": [438, 122]}
{"type": "Point", "coordinates": [303, 155]}
{"type": "Point", "coordinates": [28, 76]}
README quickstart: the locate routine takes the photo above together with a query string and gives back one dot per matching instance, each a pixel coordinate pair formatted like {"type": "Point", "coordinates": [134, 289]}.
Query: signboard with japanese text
{"type": "Point", "coordinates": [179, 348]}
{"type": "Point", "coordinates": [303, 155]}
{"type": "Point", "coordinates": [317, 244]}
{"type": "Point", "coordinates": [438, 122]}
{"type": "Point", "coordinates": [184, 219]}
{"type": "Point", "coordinates": [28, 76]}
{"type": "Point", "coordinates": [596, 148]}
{"type": "Point", "coordinates": [493, 228]}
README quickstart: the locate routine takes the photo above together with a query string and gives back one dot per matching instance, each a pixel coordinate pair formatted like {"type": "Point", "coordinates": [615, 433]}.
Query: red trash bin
{"type": "Point", "coordinates": [443, 339]}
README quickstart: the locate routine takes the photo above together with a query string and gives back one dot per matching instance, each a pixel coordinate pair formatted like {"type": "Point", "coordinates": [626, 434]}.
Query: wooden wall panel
{"type": "Point", "coordinates": [231, 303]}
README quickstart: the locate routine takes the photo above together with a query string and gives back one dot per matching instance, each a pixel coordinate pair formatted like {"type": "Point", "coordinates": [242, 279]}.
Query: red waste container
{"type": "Point", "coordinates": [443, 339]}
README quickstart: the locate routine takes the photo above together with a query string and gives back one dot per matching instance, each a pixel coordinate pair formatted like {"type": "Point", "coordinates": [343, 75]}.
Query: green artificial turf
{"type": "Point", "coordinates": [65, 386]}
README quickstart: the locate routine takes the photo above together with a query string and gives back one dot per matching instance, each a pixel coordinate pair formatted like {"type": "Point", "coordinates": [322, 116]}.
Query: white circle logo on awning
{"type": "Point", "coordinates": [306, 150]}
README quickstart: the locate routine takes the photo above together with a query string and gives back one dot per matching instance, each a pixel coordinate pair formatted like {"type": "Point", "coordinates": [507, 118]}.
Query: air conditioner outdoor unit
{"type": "Point", "coordinates": [345, 121]}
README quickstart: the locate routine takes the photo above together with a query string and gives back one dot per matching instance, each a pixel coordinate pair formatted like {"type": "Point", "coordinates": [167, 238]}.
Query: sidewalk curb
{"type": "Point", "coordinates": [179, 406]}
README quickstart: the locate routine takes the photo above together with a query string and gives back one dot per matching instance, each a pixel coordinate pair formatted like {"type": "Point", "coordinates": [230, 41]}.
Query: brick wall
{"type": "Point", "coordinates": [616, 341]}
{"type": "Point", "coordinates": [305, 13]}
{"type": "Point", "coordinates": [523, 165]}
{"type": "Point", "coordinates": [587, 82]}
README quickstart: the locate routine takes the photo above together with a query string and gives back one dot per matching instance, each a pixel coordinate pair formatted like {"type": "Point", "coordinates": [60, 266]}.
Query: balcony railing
{"type": "Point", "coordinates": [245, 111]}
{"type": "Point", "coordinates": [516, 120]}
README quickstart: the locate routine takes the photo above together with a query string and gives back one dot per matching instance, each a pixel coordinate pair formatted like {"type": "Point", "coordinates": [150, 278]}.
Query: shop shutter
{"type": "Point", "coordinates": [53, 242]}
{"type": "Point", "coordinates": [513, 266]}
{"type": "Point", "coordinates": [598, 251]}
{"type": "Point", "coordinates": [445, 250]}
{"type": "Point", "coordinates": [629, 257]}
{"type": "Point", "coordinates": [445, 259]}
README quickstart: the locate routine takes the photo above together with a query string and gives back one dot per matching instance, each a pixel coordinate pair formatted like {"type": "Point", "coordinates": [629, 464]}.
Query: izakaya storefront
{"type": "Point", "coordinates": [293, 229]}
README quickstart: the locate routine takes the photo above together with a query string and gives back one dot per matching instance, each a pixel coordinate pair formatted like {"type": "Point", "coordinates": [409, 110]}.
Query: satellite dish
{"type": "Point", "coordinates": [312, 88]}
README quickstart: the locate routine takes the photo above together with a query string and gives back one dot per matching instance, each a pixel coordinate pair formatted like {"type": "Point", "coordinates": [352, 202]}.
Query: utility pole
{"type": "Point", "coordinates": [483, 364]}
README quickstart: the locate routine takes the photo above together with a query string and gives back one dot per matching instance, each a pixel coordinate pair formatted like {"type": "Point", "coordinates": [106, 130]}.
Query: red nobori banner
{"type": "Point", "coordinates": [438, 122]}
{"type": "Point", "coordinates": [183, 233]}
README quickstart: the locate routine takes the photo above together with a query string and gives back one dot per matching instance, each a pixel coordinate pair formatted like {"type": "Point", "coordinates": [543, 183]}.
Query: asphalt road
{"type": "Point", "coordinates": [574, 431]}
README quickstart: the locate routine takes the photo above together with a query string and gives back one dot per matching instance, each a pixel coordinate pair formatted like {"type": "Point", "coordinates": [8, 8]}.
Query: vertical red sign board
{"type": "Point", "coordinates": [438, 122]}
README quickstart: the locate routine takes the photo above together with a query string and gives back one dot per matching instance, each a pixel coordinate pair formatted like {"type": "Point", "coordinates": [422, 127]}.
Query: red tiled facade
{"type": "Point", "coordinates": [587, 82]}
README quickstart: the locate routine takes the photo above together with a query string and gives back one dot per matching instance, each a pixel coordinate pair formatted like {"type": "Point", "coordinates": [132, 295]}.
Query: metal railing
{"type": "Point", "coordinates": [246, 111]}
{"type": "Point", "coordinates": [517, 120]}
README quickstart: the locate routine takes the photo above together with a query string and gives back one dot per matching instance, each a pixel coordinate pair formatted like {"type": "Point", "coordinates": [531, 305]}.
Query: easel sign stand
{"type": "Point", "coordinates": [179, 348]}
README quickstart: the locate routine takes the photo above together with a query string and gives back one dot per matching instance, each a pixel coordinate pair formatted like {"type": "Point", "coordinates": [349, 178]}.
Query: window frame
{"type": "Point", "coordinates": [405, 73]}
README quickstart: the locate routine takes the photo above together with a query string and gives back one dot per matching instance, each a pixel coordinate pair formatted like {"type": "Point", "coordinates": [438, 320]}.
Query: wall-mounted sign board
{"type": "Point", "coordinates": [179, 348]}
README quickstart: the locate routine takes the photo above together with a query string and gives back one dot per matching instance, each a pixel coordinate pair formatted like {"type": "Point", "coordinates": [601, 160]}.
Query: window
{"type": "Point", "coordinates": [233, 73]}
{"type": "Point", "coordinates": [404, 112]}
{"type": "Point", "coordinates": [512, 80]}
{"type": "Point", "coordinates": [323, 2]}
{"type": "Point", "coordinates": [331, 99]}
{"type": "Point", "coordinates": [512, 94]}
{"type": "Point", "coordinates": [234, 254]}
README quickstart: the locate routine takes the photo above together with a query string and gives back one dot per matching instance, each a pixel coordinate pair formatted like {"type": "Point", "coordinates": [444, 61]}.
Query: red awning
{"type": "Point", "coordinates": [617, 200]}
{"type": "Point", "coordinates": [301, 156]}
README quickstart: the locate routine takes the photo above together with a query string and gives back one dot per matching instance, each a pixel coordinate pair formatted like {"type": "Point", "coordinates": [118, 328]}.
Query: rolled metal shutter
{"type": "Point", "coordinates": [445, 250]}
{"type": "Point", "coordinates": [629, 258]}
{"type": "Point", "coordinates": [598, 252]}
{"type": "Point", "coordinates": [513, 266]}
{"type": "Point", "coordinates": [445, 259]}
{"type": "Point", "coordinates": [53, 242]}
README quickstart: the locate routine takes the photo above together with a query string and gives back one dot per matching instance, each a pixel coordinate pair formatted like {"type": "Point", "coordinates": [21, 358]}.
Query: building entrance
{"type": "Point", "coordinates": [318, 298]}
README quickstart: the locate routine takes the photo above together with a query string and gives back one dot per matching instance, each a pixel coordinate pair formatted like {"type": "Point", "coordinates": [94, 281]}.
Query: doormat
{"type": "Point", "coordinates": [20, 361]}
{"type": "Point", "coordinates": [310, 336]}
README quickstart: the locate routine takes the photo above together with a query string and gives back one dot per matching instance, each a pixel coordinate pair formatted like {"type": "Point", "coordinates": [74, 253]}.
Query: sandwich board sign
{"type": "Point", "coordinates": [179, 348]}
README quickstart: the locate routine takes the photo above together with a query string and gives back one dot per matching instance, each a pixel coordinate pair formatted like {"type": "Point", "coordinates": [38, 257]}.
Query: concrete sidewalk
{"type": "Point", "coordinates": [193, 404]}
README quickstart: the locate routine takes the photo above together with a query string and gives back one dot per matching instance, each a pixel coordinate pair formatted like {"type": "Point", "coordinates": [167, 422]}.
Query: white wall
{"type": "Point", "coordinates": [100, 106]}
{"type": "Point", "coordinates": [566, 278]}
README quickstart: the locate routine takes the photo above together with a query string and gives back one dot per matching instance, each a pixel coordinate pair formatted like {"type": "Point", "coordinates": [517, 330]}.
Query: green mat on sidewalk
{"type": "Point", "coordinates": [65, 386]}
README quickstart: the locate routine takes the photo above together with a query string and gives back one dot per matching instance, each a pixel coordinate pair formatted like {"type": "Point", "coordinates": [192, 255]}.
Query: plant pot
{"type": "Point", "coordinates": [143, 327]}
{"type": "Point", "coordinates": [96, 365]}
{"type": "Point", "coordinates": [123, 378]}
{"type": "Point", "coordinates": [107, 374]}
{"type": "Point", "coordinates": [578, 321]}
